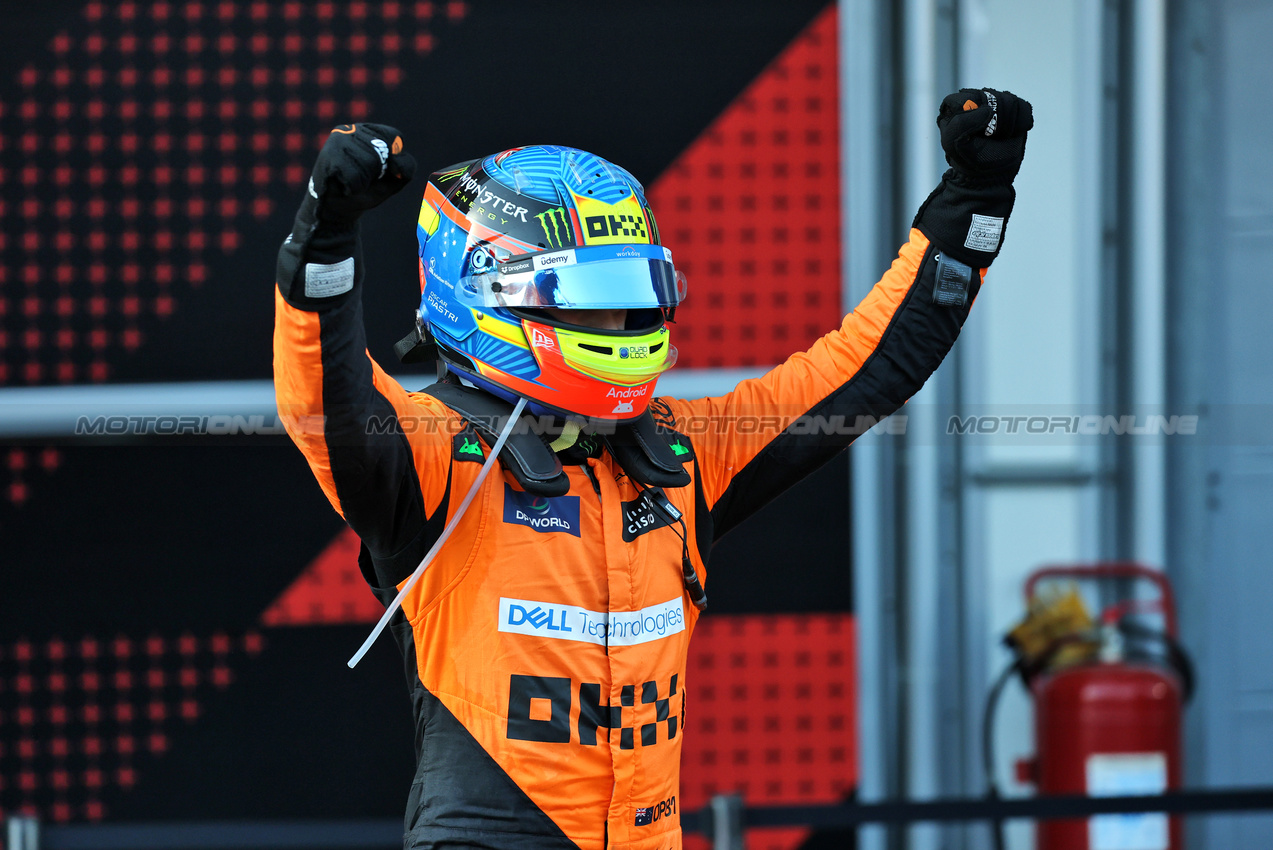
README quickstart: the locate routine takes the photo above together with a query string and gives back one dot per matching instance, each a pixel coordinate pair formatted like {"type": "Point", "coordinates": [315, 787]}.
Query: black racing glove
{"type": "Point", "coordinates": [983, 132]}
{"type": "Point", "coordinates": [359, 166]}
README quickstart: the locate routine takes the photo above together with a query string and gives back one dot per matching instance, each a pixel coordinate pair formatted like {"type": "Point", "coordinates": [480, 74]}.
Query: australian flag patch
{"type": "Point", "coordinates": [646, 815]}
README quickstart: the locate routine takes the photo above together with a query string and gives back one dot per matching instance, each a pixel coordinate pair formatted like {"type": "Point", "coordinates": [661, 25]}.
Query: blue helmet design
{"type": "Point", "coordinates": [503, 237]}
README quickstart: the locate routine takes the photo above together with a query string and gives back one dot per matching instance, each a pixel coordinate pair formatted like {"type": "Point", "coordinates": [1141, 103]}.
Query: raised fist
{"type": "Point", "coordinates": [359, 166]}
{"type": "Point", "coordinates": [983, 132]}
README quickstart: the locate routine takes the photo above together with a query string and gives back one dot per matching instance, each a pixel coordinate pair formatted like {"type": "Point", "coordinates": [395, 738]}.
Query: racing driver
{"type": "Point", "coordinates": [545, 610]}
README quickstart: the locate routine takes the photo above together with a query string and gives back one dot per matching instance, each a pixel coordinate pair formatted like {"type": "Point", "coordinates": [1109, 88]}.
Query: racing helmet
{"type": "Point", "coordinates": [503, 237]}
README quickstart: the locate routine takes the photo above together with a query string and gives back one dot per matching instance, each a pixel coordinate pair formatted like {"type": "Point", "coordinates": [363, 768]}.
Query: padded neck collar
{"type": "Point", "coordinates": [640, 447]}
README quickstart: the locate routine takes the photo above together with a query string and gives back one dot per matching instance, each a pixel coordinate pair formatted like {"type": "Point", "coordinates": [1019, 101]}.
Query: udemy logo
{"type": "Point", "coordinates": [548, 261]}
{"type": "Point", "coordinates": [545, 515]}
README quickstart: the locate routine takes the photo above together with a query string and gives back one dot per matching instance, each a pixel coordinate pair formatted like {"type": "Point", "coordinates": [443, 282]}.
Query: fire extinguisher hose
{"type": "Point", "coordinates": [988, 745]}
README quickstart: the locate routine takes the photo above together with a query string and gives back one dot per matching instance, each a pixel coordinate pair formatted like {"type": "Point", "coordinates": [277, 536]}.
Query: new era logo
{"type": "Point", "coordinates": [539, 339]}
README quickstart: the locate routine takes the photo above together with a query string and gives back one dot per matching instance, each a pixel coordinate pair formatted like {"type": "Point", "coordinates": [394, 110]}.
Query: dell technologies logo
{"type": "Point", "coordinates": [604, 628]}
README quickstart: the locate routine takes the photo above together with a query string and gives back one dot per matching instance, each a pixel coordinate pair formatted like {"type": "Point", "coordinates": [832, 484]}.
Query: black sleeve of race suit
{"type": "Point", "coordinates": [372, 465]}
{"type": "Point", "coordinates": [911, 348]}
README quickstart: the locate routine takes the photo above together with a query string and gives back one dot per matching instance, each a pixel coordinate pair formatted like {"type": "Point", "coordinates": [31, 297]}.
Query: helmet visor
{"type": "Point", "coordinates": [600, 277]}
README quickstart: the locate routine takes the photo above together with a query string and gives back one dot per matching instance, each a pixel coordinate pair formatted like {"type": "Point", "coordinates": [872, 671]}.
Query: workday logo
{"type": "Point", "coordinates": [545, 515]}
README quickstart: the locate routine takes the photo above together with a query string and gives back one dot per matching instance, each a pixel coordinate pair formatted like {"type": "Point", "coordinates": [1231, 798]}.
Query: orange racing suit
{"type": "Point", "coordinates": [546, 645]}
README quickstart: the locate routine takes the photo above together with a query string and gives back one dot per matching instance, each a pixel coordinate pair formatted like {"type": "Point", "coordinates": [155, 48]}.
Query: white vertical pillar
{"type": "Point", "coordinates": [860, 141]}
{"type": "Point", "coordinates": [1149, 318]}
{"type": "Point", "coordinates": [1032, 344]}
{"type": "Point", "coordinates": [920, 146]}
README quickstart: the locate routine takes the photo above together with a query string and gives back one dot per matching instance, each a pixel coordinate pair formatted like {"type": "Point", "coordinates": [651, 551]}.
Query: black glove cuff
{"type": "Point", "coordinates": [967, 219]}
{"type": "Point", "coordinates": [321, 261]}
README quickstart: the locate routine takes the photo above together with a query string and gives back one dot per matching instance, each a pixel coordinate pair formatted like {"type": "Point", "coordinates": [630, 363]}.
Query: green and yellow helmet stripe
{"type": "Point", "coordinates": [627, 361]}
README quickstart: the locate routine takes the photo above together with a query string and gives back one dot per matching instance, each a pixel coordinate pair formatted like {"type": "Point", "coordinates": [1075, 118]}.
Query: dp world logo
{"type": "Point", "coordinates": [545, 515]}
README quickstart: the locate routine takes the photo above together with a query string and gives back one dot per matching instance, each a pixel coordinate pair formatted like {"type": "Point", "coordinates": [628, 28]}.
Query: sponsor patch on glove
{"type": "Point", "coordinates": [323, 280]}
{"type": "Point", "coordinates": [382, 151]}
{"type": "Point", "coordinates": [984, 233]}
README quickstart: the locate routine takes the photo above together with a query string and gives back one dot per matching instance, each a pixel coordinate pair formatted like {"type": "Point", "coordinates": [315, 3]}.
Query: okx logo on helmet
{"type": "Point", "coordinates": [502, 238]}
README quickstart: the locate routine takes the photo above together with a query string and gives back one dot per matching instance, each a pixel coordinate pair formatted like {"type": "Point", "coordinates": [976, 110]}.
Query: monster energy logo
{"type": "Point", "coordinates": [556, 225]}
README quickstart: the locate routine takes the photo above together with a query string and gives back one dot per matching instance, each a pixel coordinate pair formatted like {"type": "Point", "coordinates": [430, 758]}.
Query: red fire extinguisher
{"type": "Point", "coordinates": [1109, 700]}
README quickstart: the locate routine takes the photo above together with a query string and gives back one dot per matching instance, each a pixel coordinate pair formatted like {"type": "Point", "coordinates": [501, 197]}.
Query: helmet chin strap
{"type": "Point", "coordinates": [491, 459]}
{"type": "Point", "coordinates": [569, 434]}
